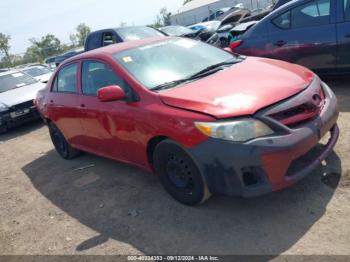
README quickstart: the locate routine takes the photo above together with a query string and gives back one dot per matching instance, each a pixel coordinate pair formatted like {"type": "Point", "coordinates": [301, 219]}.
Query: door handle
{"type": "Point", "coordinates": [280, 43]}
{"type": "Point", "coordinates": [347, 36]}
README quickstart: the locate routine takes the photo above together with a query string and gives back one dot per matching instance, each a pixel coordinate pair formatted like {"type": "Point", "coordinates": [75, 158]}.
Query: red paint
{"type": "Point", "coordinates": [242, 89]}
{"type": "Point", "coordinates": [122, 130]}
{"type": "Point", "coordinates": [110, 93]}
{"type": "Point", "coordinates": [235, 44]}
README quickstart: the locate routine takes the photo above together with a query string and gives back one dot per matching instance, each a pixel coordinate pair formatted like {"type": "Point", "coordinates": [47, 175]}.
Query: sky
{"type": "Point", "coordinates": [24, 19]}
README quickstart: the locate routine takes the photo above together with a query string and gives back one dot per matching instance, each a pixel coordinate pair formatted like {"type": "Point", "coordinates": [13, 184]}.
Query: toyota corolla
{"type": "Point", "coordinates": [206, 121]}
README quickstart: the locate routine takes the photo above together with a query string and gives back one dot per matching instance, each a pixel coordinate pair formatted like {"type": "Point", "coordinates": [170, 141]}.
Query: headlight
{"type": "Point", "coordinates": [3, 107]}
{"type": "Point", "coordinates": [238, 130]}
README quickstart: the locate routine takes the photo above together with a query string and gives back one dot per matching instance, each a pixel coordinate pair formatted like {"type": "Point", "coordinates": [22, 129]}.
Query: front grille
{"type": "Point", "coordinates": [24, 105]}
{"type": "Point", "coordinates": [305, 112]}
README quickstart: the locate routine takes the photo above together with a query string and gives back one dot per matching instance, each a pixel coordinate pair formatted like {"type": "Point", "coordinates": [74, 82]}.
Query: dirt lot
{"type": "Point", "coordinates": [49, 207]}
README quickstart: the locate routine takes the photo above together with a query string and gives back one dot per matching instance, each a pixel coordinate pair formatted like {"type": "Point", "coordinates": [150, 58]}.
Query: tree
{"type": "Point", "coordinates": [82, 32]}
{"type": "Point", "coordinates": [163, 18]}
{"type": "Point", "coordinates": [5, 49]}
{"type": "Point", "coordinates": [73, 39]}
{"type": "Point", "coordinates": [47, 46]}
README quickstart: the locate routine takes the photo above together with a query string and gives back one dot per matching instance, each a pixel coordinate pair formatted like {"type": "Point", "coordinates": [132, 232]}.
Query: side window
{"type": "Point", "coordinates": [282, 21]}
{"type": "Point", "coordinates": [93, 41]}
{"type": "Point", "coordinates": [66, 79]}
{"type": "Point", "coordinates": [108, 39]}
{"type": "Point", "coordinates": [311, 14]}
{"type": "Point", "coordinates": [96, 75]}
{"type": "Point", "coordinates": [347, 10]}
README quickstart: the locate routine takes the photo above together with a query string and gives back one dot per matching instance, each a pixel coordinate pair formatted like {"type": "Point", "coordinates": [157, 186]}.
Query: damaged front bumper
{"type": "Point", "coordinates": [269, 163]}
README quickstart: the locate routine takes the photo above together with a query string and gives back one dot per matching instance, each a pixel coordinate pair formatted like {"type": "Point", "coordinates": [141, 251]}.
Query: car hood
{"type": "Point", "coordinates": [241, 89]}
{"type": "Point", "coordinates": [20, 95]}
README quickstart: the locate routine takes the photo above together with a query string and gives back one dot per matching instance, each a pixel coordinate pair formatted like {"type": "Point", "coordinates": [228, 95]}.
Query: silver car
{"type": "Point", "coordinates": [17, 92]}
{"type": "Point", "coordinates": [39, 72]}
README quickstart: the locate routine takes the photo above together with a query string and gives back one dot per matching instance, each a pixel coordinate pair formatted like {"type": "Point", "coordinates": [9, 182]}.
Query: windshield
{"type": "Point", "coordinates": [37, 71]}
{"type": "Point", "coordinates": [176, 30]}
{"type": "Point", "coordinates": [170, 60]}
{"type": "Point", "coordinates": [15, 80]}
{"type": "Point", "coordinates": [135, 33]}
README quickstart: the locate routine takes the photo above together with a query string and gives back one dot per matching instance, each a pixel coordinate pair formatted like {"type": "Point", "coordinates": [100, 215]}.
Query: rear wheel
{"type": "Point", "coordinates": [61, 144]}
{"type": "Point", "coordinates": [179, 174]}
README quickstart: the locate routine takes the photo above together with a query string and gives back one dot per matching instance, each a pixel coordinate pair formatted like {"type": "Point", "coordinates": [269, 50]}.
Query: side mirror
{"type": "Point", "coordinates": [110, 93]}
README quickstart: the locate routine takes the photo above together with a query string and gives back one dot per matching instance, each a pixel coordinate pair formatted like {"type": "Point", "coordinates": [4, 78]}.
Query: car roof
{"type": "Point", "coordinates": [116, 48]}
{"type": "Point", "coordinates": [117, 28]}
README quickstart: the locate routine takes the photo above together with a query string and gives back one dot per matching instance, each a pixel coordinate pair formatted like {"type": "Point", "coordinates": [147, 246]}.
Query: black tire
{"type": "Point", "coordinates": [61, 144]}
{"type": "Point", "coordinates": [179, 174]}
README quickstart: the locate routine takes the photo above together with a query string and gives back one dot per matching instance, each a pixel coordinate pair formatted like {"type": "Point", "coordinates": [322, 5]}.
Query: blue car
{"type": "Point", "coordinates": [315, 34]}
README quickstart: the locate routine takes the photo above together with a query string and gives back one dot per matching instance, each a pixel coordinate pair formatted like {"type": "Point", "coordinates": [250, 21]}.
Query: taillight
{"type": "Point", "coordinates": [235, 44]}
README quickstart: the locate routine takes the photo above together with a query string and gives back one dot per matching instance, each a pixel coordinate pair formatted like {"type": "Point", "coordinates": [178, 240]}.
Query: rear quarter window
{"type": "Point", "coordinates": [282, 21]}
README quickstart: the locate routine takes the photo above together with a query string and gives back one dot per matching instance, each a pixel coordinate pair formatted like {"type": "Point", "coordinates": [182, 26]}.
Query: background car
{"type": "Point", "coordinates": [236, 33]}
{"type": "Point", "coordinates": [39, 72]}
{"type": "Point", "coordinates": [107, 37]}
{"type": "Point", "coordinates": [75, 51]}
{"type": "Point", "coordinates": [50, 62]}
{"type": "Point", "coordinates": [315, 34]}
{"type": "Point", "coordinates": [205, 30]}
{"type": "Point", "coordinates": [223, 12]}
{"type": "Point", "coordinates": [17, 92]}
{"type": "Point", "coordinates": [177, 30]}
{"type": "Point", "coordinates": [228, 23]}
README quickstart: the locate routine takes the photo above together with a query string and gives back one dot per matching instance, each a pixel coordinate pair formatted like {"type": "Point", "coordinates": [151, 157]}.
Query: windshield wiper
{"type": "Point", "coordinates": [211, 68]}
{"type": "Point", "coordinates": [208, 70]}
{"type": "Point", "coordinates": [169, 84]}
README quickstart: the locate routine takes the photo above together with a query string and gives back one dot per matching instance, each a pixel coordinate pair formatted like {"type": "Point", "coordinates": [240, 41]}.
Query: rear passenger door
{"type": "Point", "coordinates": [306, 35]}
{"type": "Point", "coordinates": [343, 30]}
{"type": "Point", "coordinates": [63, 104]}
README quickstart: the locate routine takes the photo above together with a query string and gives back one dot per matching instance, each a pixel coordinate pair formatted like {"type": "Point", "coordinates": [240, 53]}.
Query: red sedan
{"type": "Point", "coordinates": [205, 120]}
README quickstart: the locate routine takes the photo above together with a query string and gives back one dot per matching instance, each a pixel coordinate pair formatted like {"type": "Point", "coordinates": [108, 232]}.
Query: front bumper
{"type": "Point", "coordinates": [269, 163]}
{"type": "Point", "coordinates": [18, 116]}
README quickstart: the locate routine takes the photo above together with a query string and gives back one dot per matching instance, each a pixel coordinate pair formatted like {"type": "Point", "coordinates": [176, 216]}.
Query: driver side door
{"type": "Point", "coordinates": [106, 125]}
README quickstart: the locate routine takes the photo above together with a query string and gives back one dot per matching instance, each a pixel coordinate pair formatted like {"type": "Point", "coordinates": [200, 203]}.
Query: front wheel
{"type": "Point", "coordinates": [179, 174]}
{"type": "Point", "coordinates": [61, 144]}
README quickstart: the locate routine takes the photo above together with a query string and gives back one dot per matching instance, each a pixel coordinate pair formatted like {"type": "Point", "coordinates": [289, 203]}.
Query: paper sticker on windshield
{"type": "Point", "coordinates": [127, 59]}
{"type": "Point", "coordinates": [17, 74]}
{"type": "Point", "coordinates": [186, 43]}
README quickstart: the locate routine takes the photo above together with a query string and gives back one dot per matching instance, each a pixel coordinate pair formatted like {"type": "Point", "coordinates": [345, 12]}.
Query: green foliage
{"type": "Point", "coordinates": [82, 32]}
{"type": "Point", "coordinates": [4, 50]}
{"type": "Point", "coordinates": [40, 49]}
{"type": "Point", "coordinates": [47, 46]}
{"type": "Point", "coordinates": [162, 19]}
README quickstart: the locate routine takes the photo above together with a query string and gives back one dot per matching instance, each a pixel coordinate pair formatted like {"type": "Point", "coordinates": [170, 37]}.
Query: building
{"type": "Point", "coordinates": [197, 10]}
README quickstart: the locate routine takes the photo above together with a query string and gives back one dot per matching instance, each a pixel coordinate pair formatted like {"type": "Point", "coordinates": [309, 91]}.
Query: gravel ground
{"type": "Point", "coordinates": [49, 206]}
